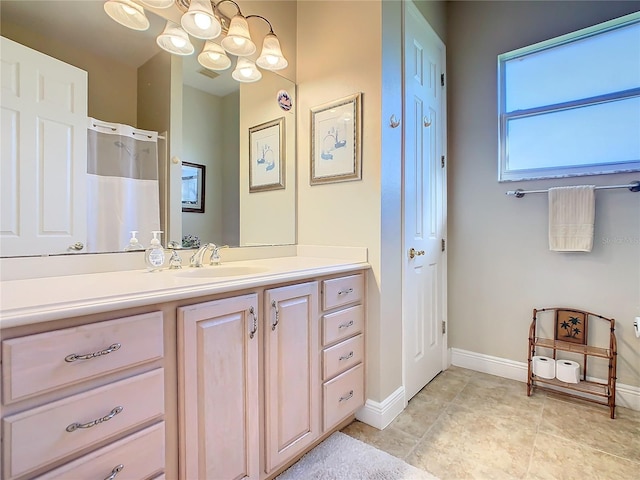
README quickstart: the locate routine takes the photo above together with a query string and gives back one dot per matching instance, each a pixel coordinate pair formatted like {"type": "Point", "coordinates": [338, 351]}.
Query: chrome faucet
{"type": "Point", "coordinates": [215, 255]}
{"type": "Point", "coordinates": [197, 258]}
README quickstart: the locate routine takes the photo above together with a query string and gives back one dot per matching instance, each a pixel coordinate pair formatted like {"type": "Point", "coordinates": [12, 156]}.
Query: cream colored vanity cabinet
{"type": "Point", "coordinates": [223, 379]}
{"type": "Point", "coordinates": [342, 348]}
{"type": "Point", "coordinates": [85, 401]}
{"type": "Point", "coordinates": [218, 389]}
{"type": "Point", "coordinates": [291, 388]}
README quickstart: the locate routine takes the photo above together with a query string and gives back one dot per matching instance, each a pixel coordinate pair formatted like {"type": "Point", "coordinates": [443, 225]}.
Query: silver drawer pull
{"type": "Point", "coordinates": [345, 325]}
{"type": "Point", "coordinates": [345, 292]}
{"type": "Point", "coordinates": [346, 357]}
{"type": "Point", "coordinates": [88, 356]}
{"type": "Point", "coordinates": [112, 413]}
{"type": "Point", "coordinates": [114, 473]}
{"type": "Point", "coordinates": [346, 397]}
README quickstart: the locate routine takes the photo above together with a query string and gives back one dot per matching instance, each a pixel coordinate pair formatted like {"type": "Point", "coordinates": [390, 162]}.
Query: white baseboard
{"type": "Point", "coordinates": [381, 414]}
{"type": "Point", "coordinates": [626, 395]}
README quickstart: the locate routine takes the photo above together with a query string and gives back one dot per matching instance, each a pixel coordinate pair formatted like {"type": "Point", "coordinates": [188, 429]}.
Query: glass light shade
{"type": "Point", "coordinates": [238, 40]}
{"type": "Point", "coordinates": [127, 13]}
{"type": "Point", "coordinates": [246, 71]}
{"type": "Point", "coordinates": [214, 57]}
{"type": "Point", "coordinates": [271, 57]}
{"type": "Point", "coordinates": [157, 3]}
{"type": "Point", "coordinates": [200, 21]}
{"type": "Point", "coordinates": [175, 40]}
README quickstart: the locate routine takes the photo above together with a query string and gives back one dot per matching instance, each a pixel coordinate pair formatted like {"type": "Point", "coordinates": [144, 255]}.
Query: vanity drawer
{"type": "Point", "coordinates": [343, 395]}
{"type": "Point", "coordinates": [343, 324]}
{"type": "Point", "coordinates": [38, 363]}
{"type": "Point", "coordinates": [342, 356]}
{"type": "Point", "coordinates": [342, 291]}
{"type": "Point", "coordinates": [39, 436]}
{"type": "Point", "coordinates": [141, 456]}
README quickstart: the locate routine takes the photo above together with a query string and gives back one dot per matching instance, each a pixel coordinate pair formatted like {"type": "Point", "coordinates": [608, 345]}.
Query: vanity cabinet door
{"type": "Point", "coordinates": [218, 389]}
{"type": "Point", "coordinates": [291, 362]}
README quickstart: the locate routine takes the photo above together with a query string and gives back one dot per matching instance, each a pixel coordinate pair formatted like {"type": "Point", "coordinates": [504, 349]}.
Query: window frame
{"type": "Point", "coordinates": [504, 173]}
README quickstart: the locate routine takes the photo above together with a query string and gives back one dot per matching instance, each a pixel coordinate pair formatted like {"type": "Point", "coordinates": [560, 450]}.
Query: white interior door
{"type": "Point", "coordinates": [424, 276]}
{"type": "Point", "coordinates": [43, 159]}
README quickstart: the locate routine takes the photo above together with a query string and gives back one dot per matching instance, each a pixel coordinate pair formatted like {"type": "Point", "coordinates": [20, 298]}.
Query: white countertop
{"type": "Point", "coordinates": [44, 299]}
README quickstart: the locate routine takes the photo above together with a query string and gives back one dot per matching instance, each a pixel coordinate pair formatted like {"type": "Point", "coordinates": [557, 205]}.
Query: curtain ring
{"type": "Point", "coordinates": [393, 121]}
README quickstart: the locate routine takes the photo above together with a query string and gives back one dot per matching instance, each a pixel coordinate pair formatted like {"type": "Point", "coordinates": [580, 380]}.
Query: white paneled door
{"type": "Point", "coordinates": [424, 275]}
{"type": "Point", "coordinates": [43, 159]}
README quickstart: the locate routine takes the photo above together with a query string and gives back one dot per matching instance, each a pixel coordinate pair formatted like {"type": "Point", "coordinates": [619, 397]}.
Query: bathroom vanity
{"type": "Point", "coordinates": [232, 371]}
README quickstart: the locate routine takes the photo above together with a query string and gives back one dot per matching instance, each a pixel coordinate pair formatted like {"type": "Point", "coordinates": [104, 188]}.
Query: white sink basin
{"type": "Point", "coordinates": [218, 271]}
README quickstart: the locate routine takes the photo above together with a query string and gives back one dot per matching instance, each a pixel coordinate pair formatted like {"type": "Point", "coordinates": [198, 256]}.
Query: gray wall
{"type": "Point", "coordinates": [500, 266]}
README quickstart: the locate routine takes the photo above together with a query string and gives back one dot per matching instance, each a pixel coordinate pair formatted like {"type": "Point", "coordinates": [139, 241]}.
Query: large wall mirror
{"type": "Point", "coordinates": [203, 117]}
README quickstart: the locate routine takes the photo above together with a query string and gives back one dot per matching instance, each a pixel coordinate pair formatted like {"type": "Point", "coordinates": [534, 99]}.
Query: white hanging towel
{"type": "Point", "coordinates": [571, 218]}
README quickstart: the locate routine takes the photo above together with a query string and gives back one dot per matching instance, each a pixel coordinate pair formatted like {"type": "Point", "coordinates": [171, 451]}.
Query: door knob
{"type": "Point", "coordinates": [414, 253]}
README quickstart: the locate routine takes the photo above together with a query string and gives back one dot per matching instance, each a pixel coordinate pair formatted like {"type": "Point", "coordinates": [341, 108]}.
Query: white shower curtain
{"type": "Point", "coordinates": [123, 189]}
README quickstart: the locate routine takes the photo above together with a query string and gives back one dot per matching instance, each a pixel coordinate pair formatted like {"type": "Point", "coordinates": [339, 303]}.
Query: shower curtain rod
{"type": "Point", "coordinates": [633, 187]}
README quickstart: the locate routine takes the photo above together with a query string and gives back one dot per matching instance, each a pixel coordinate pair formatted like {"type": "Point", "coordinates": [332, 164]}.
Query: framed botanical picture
{"type": "Point", "coordinates": [193, 181]}
{"type": "Point", "coordinates": [266, 156]}
{"type": "Point", "coordinates": [336, 132]}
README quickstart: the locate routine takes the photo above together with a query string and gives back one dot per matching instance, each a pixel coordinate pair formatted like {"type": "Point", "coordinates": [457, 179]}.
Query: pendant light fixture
{"type": "Point", "coordinates": [200, 21]}
{"type": "Point", "coordinates": [127, 13]}
{"type": "Point", "coordinates": [214, 57]}
{"type": "Point", "coordinates": [203, 19]}
{"type": "Point", "coordinates": [238, 40]}
{"type": "Point", "coordinates": [271, 57]}
{"type": "Point", "coordinates": [175, 40]}
{"type": "Point", "coordinates": [246, 71]}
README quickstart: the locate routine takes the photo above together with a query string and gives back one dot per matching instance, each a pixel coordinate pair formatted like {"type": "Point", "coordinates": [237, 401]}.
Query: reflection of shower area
{"type": "Point", "coordinates": [122, 185]}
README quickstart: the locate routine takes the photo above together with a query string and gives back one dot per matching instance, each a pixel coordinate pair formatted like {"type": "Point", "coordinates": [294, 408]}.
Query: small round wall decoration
{"type": "Point", "coordinates": [284, 100]}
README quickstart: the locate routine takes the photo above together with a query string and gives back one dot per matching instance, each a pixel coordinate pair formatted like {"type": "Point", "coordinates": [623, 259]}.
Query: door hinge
{"type": "Point", "coordinates": [442, 79]}
{"type": "Point", "coordinates": [444, 327]}
{"type": "Point", "coordinates": [442, 161]}
{"type": "Point", "coordinates": [443, 245]}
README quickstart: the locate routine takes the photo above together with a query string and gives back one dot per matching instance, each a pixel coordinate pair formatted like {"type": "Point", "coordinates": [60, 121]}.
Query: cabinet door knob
{"type": "Point", "coordinates": [277, 317]}
{"type": "Point", "coordinates": [76, 246]}
{"type": "Point", "coordinates": [255, 323]}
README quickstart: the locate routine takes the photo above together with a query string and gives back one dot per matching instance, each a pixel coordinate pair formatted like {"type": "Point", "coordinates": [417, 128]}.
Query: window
{"type": "Point", "coordinates": [571, 105]}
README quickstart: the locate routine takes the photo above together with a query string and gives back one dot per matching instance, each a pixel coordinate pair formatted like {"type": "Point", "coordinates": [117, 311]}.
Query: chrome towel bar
{"type": "Point", "coordinates": [633, 187]}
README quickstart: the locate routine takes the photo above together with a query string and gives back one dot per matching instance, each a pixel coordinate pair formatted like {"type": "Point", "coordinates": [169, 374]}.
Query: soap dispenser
{"type": "Point", "coordinates": [154, 255]}
{"type": "Point", "coordinates": [134, 243]}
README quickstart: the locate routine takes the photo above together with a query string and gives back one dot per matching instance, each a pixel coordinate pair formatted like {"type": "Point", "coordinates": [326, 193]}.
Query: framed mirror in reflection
{"type": "Point", "coordinates": [131, 81]}
{"type": "Point", "coordinates": [193, 187]}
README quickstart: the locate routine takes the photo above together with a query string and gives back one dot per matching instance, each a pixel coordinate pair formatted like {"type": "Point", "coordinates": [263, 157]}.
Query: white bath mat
{"type": "Point", "coordinates": [341, 457]}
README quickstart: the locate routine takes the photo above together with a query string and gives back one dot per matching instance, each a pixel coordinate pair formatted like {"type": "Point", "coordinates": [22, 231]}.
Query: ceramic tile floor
{"type": "Point", "coordinates": [469, 425]}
